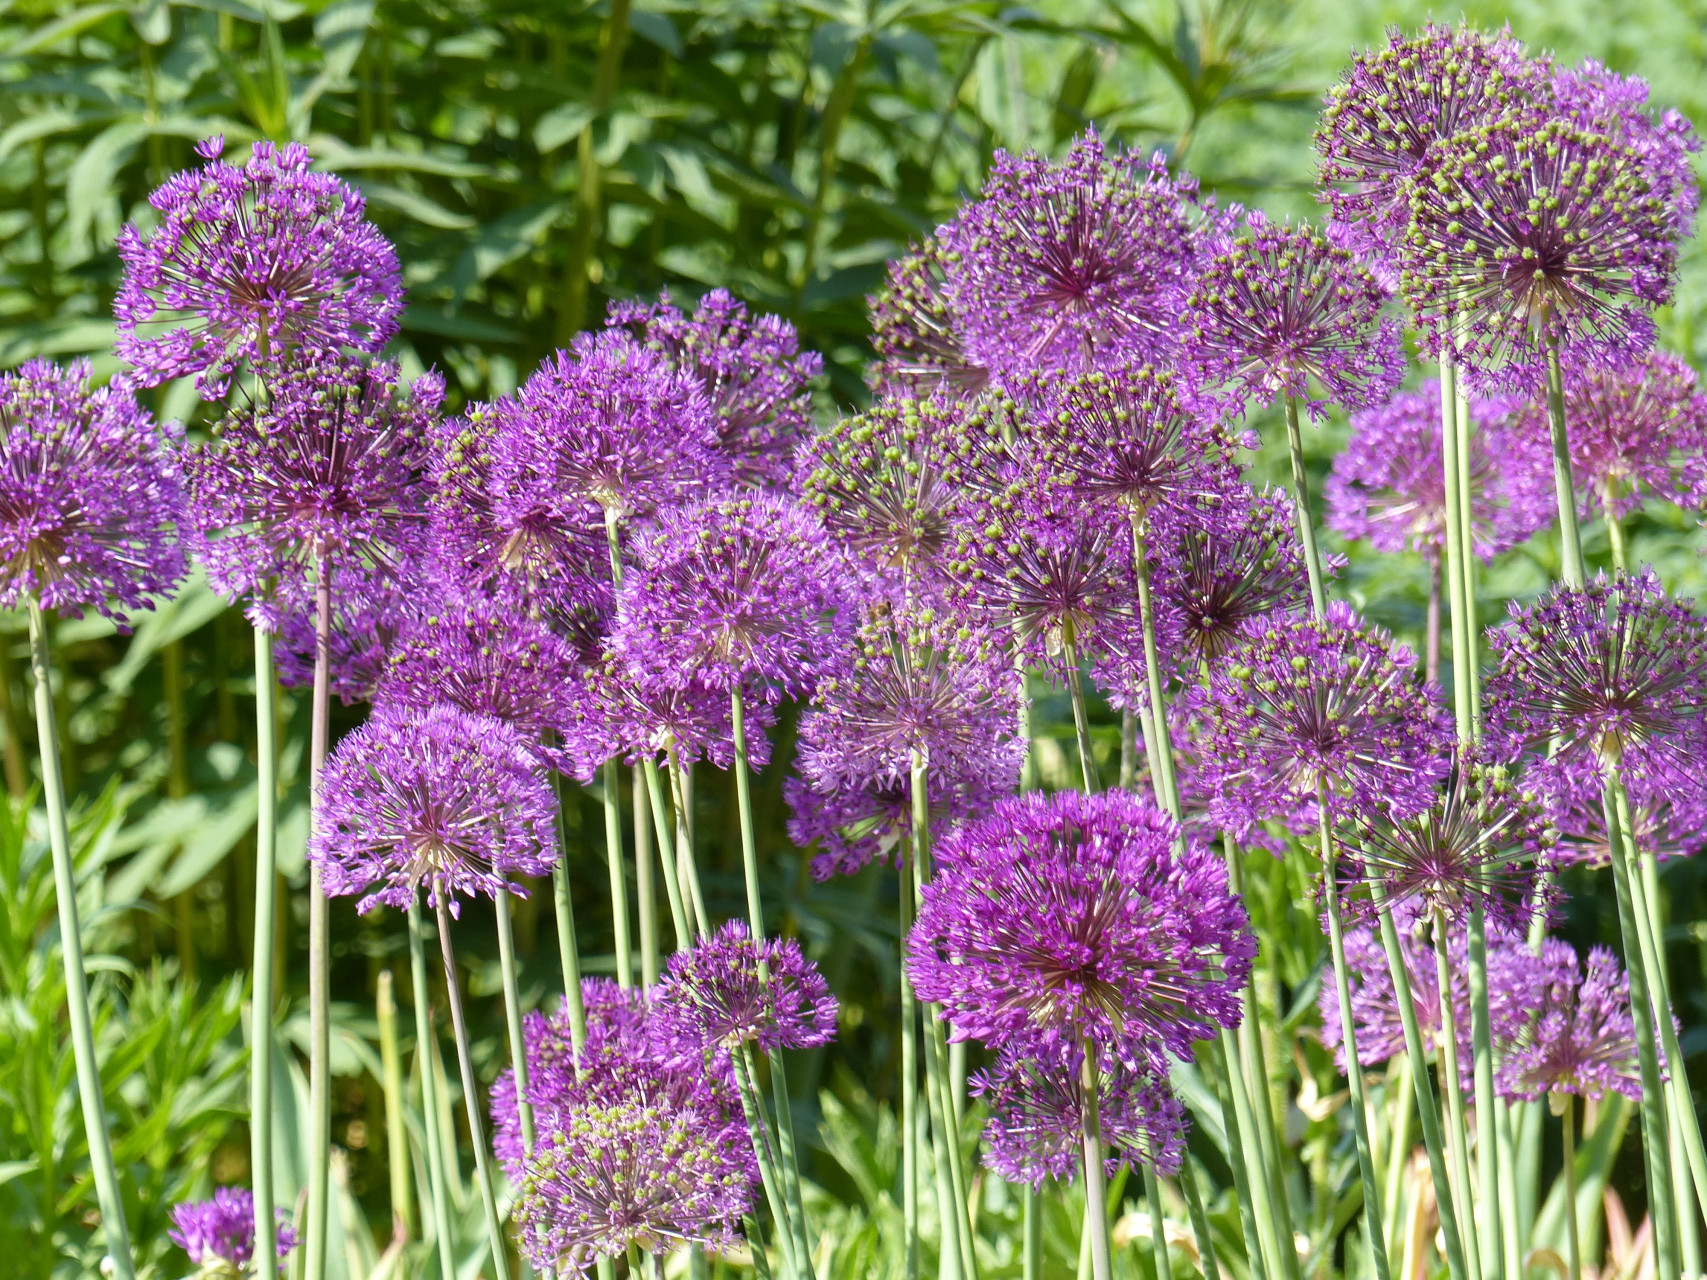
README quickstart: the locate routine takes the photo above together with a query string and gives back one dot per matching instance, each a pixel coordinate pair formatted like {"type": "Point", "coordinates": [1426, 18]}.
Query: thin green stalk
{"type": "Point", "coordinates": [396, 1134]}
{"type": "Point", "coordinates": [437, 1177]}
{"type": "Point", "coordinates": [909, 1096]}
{"type": "Point", "coordinates": [1163, 762]}
{"type": "Point", "coordinates": [1467, 540]}
{"type": "Point", "coordinates": [470, 1090]}
{"type": "Point", "coordinates": [951, 1197]}
{"type": "Point", "coordinates": [1128, 749]}
{"type": "Point", "coordinates": [1096, 1185]}
{"type": "Point", "coordinates": [1081, 725]}
{"type": "Point", "coordinates": [1301, 498]}
{"type": "Point", "coordinates": [758, 1133]}
{"type": "Point", "coordinates": [687, 871]}
{"type": "Point", "coordinates": [618, 880]}
{"type": "Point", "coordinates": [1374, 1238]}
{"type": "Point", "coordinates": [948, 1247]}
{"type": "Point", "coordinates": [1513, 1246]}
{"type": "Point", "coordinates": [1564, 490]}
{"type": "Point", "coordinates": [1398, 1149]}
{"type": "Point", "coordinates": [263, 1000]}
{"type": "Point", "coordinates": [319, 946]}
{"type": "Point", "coordinates": [1573, 1244]}
{"type": "Point", "coordinates": [1031, 1238]}
{"type": "Point", "coordinates": [645, 892]}
{"type": "Point", "coordinates": [1256, 1219]}
{"type": "Point", "coordinates": [1491, 1228]}
{"type": "Point", "coordinates": [513, 1015]}
{"type": "Point", "coordinates": [667, 853]}
{"type": "Point", "coordinates": [1199, 1221]}
{"type": "Point", "coordinates": [1158, 1223]}
{"type": "Point", "coordinates": [1457, 1144]}
{"type": "Point", "coordinates": [1423, 1090]}
{"type": "Point", "coordinates": [1462, 642]}
{"type": "Point", "coordinates": [89, 1089]}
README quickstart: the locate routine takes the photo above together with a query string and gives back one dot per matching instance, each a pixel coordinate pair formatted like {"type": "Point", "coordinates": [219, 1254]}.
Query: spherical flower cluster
{"type": "Point", "coordinates": [1319, 708]}
{"type": "Point", "coordinates": [219, 1234]}
{"type": "Point", "coordinates": [1280, 311]}
{"type": "Point", "coordinates": [371, 608]}
{"type": "Point", "coordinates": [1388, 485]}
{"type": "Point", "coordinates": [726, 991]}
{"type": "Point", "coordinates": [912, 331]}
{"type": "Point", "coordinates": [1037, 1119]}
{"type": "Point", "coordinates": [734, 591]}
{"type": "Point", "coordinates": [326, 471]}
{"type": "Point", "coordinates": [618, 712]}
{"type": "Point", "coordinates": [1529, 236]}
{"type": "Point", "coordinates": [754, 374]}
{"type": "Point", "coordinates": [1581, 1038]}
{"type": "Point", "coordinates": [1070, 265]}
{"type": "Point", "coordinates": [88, 495]}
{"type": "Point", "coordinates": [1612, 675]}
{"type": "Point", "coordinates": [1070, 923]}
{"type": "Point", "coordinates": [432, 797]}
{"type": "Point", "coordinates": [248, 263]}
{"type": "Point", "coordinates": [1602, 101]}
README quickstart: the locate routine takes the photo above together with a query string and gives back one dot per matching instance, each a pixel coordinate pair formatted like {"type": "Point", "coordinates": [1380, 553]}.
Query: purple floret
{"type": "Point", "coordinates": [853, 825]}
{"type": "Point", "coordinates": [371, 608]}
{"type": "Point", "coordinates": [252, 264]}
{"type": "Point", "coordinates": [1580, 1038]}
{"type": "Point", "coordinates": [89, 496]}
{"type": "Point", "coordinates": [713, 996]}
{"type": "Point", "coordinates": [913, 331]}
{"type": "Point", "coordinates": [223, 1229]}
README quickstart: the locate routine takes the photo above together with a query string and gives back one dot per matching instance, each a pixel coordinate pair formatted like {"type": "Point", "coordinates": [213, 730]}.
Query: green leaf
{"type": "Point", "coordinates": [192, 608]}
{"type": "Point", "coordinates": [205, 846]}
{"type": "Point", "coordinates": [561, 124]}
{"type": "Point", "coordinates": [502, 241]}
{"type": "Point", "coordinates": [72, 24]}
{"type": "Point", "coordinates": [412, 204]}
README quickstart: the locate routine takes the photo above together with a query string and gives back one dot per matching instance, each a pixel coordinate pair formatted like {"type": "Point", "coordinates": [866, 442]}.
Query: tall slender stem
{"type": "Point", "coordinates": [263, 999]}
{"type": "Point", "coordinates": [1301, 499]}
{"type": "Point", "coordinates": [1398, 1148]}
{"type": "Point", "coordinates": [443, 1243]}
{"type": "Point", "coordinates": [1081, 724]}
{"type": "Point", "coordinates": [1573, 1242]}
{"type": "Point", "coordinates": [1031, 1237]}
{"type": "Point", "coordinates": [1467, 540]}
{"type": "Point", "coordinates": [1374, 1238]}
{"type": "Point", "coordinates": [470, 1090]}
{"type": "Point", "coordinates": [909, 1094]}
{"type": "Point", "coordinates": [1491, 1227]}
{"type": "Point", "coordinates": [667, 853]}
{"type": "Point", "coordinates": [687, 871]}
{"type": "Point", "coordinates": [319, 945]}
{"type": "Point", "coordinates": [645, 892]}
{"type": "Point", "coordinates": [618, 880]}
{"type": "Point", "coordinates": [1158, 1224]}
{"type": "Point", "coordinates": [396, 1133]}
{"type": "Point", "coordinates": [1166, 784]}
{"type": "Point", "coordinates": [88, 1067]}
{"type": "Point", "coordinates": [513, 1015]}
{"type": "Point", "coordinates": [1564, 490]}
{"type": "Point", "coordinates": [1256, 1221]}
{"type": "Point", "coordinates": [1199, 1220]}
{"type": "Point", "coordinates": [568, 946]}
{"type": "Point", "coordinates": [759, 1134]}
{"type": "Point", "coordinates": [1096, 1185]}
{"type": "Point", "coordinates": [1431, 624]}
{"type": "Point", "coordinates": [1462, 1192]}
{"type": "Point", "coordinates": [1463, 661]}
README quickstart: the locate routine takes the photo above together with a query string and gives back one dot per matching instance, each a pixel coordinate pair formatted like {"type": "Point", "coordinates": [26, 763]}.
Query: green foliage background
{"type": "Point", "coordinates": [533, 159]}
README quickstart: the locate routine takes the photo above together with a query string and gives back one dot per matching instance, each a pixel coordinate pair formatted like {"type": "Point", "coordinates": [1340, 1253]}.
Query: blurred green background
{"type": "Point", "coordinates": [533, 159]}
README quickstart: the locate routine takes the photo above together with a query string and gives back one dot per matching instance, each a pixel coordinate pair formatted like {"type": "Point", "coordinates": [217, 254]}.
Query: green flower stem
{"type": "Point", "coordinates": [1398, 1149]}
{"type": "Point", "coordinates": [319, 946]}
{"type": "Point", "coordinates": [789, 1152]}
{"type": "Point", "coordinates": [1374, 1238]}
{"type": "Point", "coordinates": [513, 1015]}
{"type": "Point", "coordinates": [945, 1142]}
{"type": "Point", "coordinates": [1158, 1223]}
{"type": "Point", "coordinates": [1427, 1113]}
{"type": "Point", "coordinates": [263, 1000]}
{"type": "Point", "coordinates": [1457, 1138]}
{"type": "Point", "coordinates": [568, 948]}
{"type": "Point", "coordinates": [1081, 723]}
{"type": "Point", "coordinates": [1199, 1221]}
{"type": "Point", "coordinates": [759, 1134]}
{"type": "Point", "coordinates": [909, 1096]}
{"type": "Point", "coordinates": [1096, 1185]}
{"type": "Point", "coordinates": [1492, 1227]}
{"type": "Point", "coordinates": [396, 1134]}
{"type": "Point", "coordinates": [1031, 1239]}
{"type": "Point", "coordinates": [668, 852]}
{"type": "Point", "coordinates": [645, 892]}
{"type": "Point", "coordinates": [471, 1092]}
{"type": "Point", "coordinates": [1512, 1230]}
{"type": "Point", "coordinates": [1467, 540]}
{"type": "Point", "coordinates": [1573, 1244]}
{"type": "Point", "coordinates": [1463, 662]}
{"type": "Point", "coordinates": [1162, 761]}
{"type": "Point", "coordinates": [687, 871]}
{"type": "Point", "coordinates": [624, 946]}
{"type": "Point", "coordinates": [1564, 490]}
{"type": "Point", "coordinates": [1128, 750]}
{"type": "Point", "coordinates": [438, 1179]}
{"type": "Point", "coordinates": [89, 1089]}
{"type": "Point", "coordinates": [1255, 1219]}
{"type": "Point", "coordinates": [1301, 498]}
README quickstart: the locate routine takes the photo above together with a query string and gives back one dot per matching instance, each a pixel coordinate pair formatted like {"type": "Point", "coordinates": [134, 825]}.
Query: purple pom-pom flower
{"type": "Point", "coordinates": [912, 330]}
{"type": "Point", "coordinates": [1580, 1038]}
{"type": "Point", "coordinates": [726, 991]}
{"type": "Point", "coordinates": [219, 1234]}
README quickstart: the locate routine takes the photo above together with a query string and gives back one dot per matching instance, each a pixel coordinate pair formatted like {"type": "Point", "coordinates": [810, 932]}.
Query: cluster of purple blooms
{"type": "Point", "coordinates": [644, 550]}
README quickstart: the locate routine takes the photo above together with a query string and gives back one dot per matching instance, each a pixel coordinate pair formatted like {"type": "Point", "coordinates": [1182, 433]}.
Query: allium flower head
{"type": "Point", "coordinates": [1526, 235]}
{"type": "Point", "coordinates": [1070, 265]}
{"type": "Point", "coordinates": [855, 824]}
{"type": "Point", "coordinates": [1326, 703]}
{"type": "Point", "coordinates": [1602, 101]}
{"type": "Point", "coordinates": [1037, 1117]}
{"type": "Point", "coordinates": [219, 1234]}
{"type": "Point", "coordinates": [755, 377]}
{"type": "Point", "coordinates": [432, 797]}
{"type": "Point", "coordinates": [328, 468]}
{"type": "Point", "coordinates": [1391, 105]}
{"type": "Point", "coordinates": [88, 496]}
{"type": "Point", "coordinates": [1388, 484]}
{"type": "Point", "coordinates": [1665, 823]}
{"type": "Point", "coordinates": [1634, 433]}
{"type": "Point", "coordinates": [371, 608]}
{"type": "Point", "coordinates": [618, 712]}
{"type": "Point", "coordinates": [736, 590]}
{"type": "Point", "coordinates": [1612, 674]}
{"type": "Point", "coordinates": [1580, 1038]}
{"type": "Point", "coordinates": [1071, 923]}
{"type": "Point", "coordinates": [608, 429]}
{"type": "Point", "coordinates": [713, 994]}
{"type": "Point", "coordinates": [248, 263]}
{"type": "Point", "coordinates": [1281, 311]}
{"type": "Point", "coordinates": [913, 332]}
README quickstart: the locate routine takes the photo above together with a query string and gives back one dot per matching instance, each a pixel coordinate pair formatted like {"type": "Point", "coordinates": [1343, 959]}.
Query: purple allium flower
{"type": "Point", "coordinates": [1612, 674]}
{"type": "Point", "coordinates": [1525, 235]}
{"type": "Point", "coordinates": [732, 591]}
{"type": "Point", "coordinates": [755, 375]}
{"type": "Point", "coordinates": [1280, 311]}
{"type": "Point", "coordinates": [1070, 923]}
{"type": "Point", "coordinates": [220, 1232]}
{"type": "Point", "coordinates": [1602, 101]}
{"type": "Point", "coordinates": [853, 824]}
{"type": "Point", "coordinates": [1070, 265]}
{"type": "Point", "coordinates": [1664, 823]}
{"type": "Point", "coordinates": [371, 607]}
{"type": "Point", "coordinates": [1580, 1038]}
{"type": "Point", "coordinates": [1037, 1116]}
{"type": "Point", "coordinates": [1634, 433]}
{"type": "Point", "coordinates": [609, 429]}
{"type": "Point", "coordinates": [912, 331]}
{"type": "Point", "coordinates": [249, 263]}
{"type": "Point", "coordinates": [433, 797]}
{"type": "Point", "coordinates": [1391, 105]}
{"type": "Point", "coordinates": [713, 994]}
{"type": "Point", "coordinates": [88, 495]}
{"type": "Point", "coordinates": [1481, 841]}
{"type": "Point", "coordinates": [916, 686]}
{"type": "Point", "coordinates": [617, 712]}
{"type": "Point", "coordinates": [328, 468]}
{"type": "Point", "coordinates": [1324, 702]}
{"type": "Point", "coordinates": [1388, 485]}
